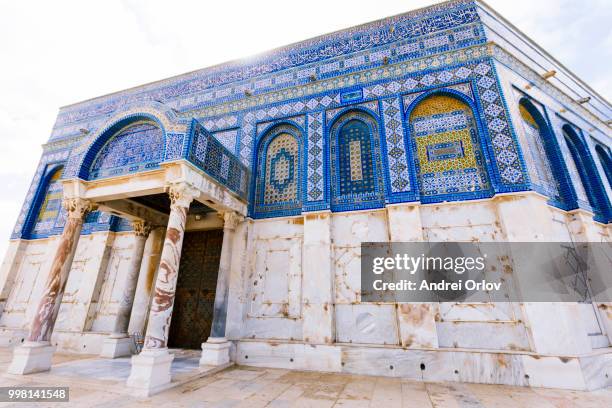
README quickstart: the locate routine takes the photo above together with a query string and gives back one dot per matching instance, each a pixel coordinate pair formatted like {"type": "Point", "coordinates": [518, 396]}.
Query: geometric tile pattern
{"type": "Point", "coordinates": [356, 163]}
{"type": "Point", "coordinates": [371, 105]}
{"type": "Point", "coordinates": [314, 166]}
{"type": "Point", "coordinates": [310, 83]}
{"type": "Point", "coordinates": [281, 180]}
{"type": "Point", "coordinates": [228, 138]}
{"type": "Point", "coordinates": [278, 183]}
{"type": "Point", "coordinates": [251, 118]}
{"type": "Point", "coordinates": [396, 150]}
{"type": "Point", "coordinates": [217, 161]}
{"type": "Point", "coordinates": [494, 114]}
{"type": "Point", "coordinates": [138, 147]}
{"type": "Point", "coordinates": [448, 157]}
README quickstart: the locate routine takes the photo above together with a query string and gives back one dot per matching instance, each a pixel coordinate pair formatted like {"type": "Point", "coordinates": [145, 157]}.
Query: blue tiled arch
{"type": "Point", "coordinates": [485, 146]}
{"type": "Point", "coordinates": [260, 153]}
{"type": "Point", "coordinates": [605, 158]}
{"type": "Point", "coordinates": [567, 199]}
{"type": "Point", "coordinates": [39, 197]}
{"type": "Point", "coordinates": [108, 133]}
{"type": "Point", "coordinates": [365, 200]}
{"type": "Point", "coordinates": [588, 173]}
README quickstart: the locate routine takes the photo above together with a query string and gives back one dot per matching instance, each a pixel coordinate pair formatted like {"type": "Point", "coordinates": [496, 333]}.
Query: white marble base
{"type": "Point", "coordinates": [587, 372]}
{"type": "Point", "coordinates": [150, 372]}
{"type": "Point", "coordinates": [114, 347]}
{"type": "Point", "coordinates": [31, 357]}
{"type": "Point", "coordinates": [215, 352]}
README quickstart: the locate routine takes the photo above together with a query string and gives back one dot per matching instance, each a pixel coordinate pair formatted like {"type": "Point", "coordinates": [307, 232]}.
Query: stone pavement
{"type": "Point", "coordinates": [264, 387]}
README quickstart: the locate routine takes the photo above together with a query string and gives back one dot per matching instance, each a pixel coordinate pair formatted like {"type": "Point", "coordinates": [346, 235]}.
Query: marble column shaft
{"type": "Point", "coordinates": [48, 308]}
{"type": "Point", "coordinates": [230, 221]}
{"type": "Point", "coordinates": [141, 232]}
{"type": "Point", "coordinates": [165, 286]}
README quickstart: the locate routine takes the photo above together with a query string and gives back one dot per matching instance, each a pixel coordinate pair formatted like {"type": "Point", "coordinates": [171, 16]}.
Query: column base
{"type": "Point", "coordinates": [31, 357]}
{"type": "Point", "coordinates": [150, 372]}
{"type": "Point", "coordinates": [114, 347]}
{"type": "Point", "coordinates": [215, 352]}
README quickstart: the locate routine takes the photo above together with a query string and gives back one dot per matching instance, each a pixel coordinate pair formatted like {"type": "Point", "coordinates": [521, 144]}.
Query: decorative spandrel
{"type": "Point", "coordinates": [136, 148]}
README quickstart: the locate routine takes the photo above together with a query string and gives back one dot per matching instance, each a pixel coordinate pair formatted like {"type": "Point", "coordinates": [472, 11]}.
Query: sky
{"type": "Point", "coordinates": [60, 52]}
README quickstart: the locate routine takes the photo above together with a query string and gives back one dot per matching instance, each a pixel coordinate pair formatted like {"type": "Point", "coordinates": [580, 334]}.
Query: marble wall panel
{"type": "Point", "coordinates": [86, 274]}
{"type": "Point", "coordinates": [366, 323]}
{"type": "Point", "coordinates": [483, 335]}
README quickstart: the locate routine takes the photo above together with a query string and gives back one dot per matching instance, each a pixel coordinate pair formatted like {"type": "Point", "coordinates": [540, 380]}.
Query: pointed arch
{"type": "Point", "coordinates": [133, 144]}
{"type": "Point", "coordinates": [449, 158]}
{"type": "Point", "coordinates": [355, 161]}
{"type": "Point", "coordinates": [543, 156]}
{"type": "Point", "coordinates": [587, 179]}
{"type": "Point", "coordinates": [279, 172]}
{"type": "Point", "coordinates": [44, 215]}
{"type": "Point", "coordinates": [605, 159]}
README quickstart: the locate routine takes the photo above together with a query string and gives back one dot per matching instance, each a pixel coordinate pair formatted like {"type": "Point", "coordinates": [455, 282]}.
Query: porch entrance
{"type": "Point", "coordinates": [195, 292]}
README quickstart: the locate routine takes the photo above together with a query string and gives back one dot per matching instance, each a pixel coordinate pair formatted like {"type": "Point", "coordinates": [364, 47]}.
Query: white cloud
{"type": "Point", "coordinates": [60, 52]}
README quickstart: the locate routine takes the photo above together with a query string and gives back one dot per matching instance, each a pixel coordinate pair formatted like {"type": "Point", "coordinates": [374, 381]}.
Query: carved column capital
{"type": "Point", "coordinates": [230, 219]}
{"type": "Point", "coordinates": [78, 208]}
{"type": "Point", "coordinates": [141, 228]}
{"type": "Point", "coordinates": [182, 194]}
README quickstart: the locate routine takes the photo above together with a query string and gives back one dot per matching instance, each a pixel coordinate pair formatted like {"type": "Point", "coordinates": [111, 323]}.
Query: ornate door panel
{"type": "Point", "coordinates": [195, 292]}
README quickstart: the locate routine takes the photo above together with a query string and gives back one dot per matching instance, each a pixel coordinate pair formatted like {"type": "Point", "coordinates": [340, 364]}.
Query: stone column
{"type": "Point", "coordinates": [151, 368]}
{"type": "Point", "coordinates": [119, 343]}
{"type": "Point", "coordinates": [216, 349]}
{"type": "Point", "coordinates": [35, 354]}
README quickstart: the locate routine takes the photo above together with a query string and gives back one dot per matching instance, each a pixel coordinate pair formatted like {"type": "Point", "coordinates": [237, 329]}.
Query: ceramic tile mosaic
{"type": "Point", "coordinates": [228, 138]}
{"type": "Point", "coordinates": [138, 147]}
{"type": "Point", "coordinates": [52, 204]}
{"type": "Point", "coordinates": [217, 161]}
{"type": "Point", "coordinates": [383, 68]}
{"type": "Point", "coordinates": [397, 158]}
{"type": "Point", "coordinates": [281, 180]}
{"type": "Point", "coordinates": [315, 164]}
{"type": "Point", "coordinates": [279, 171]}
{"type": "Point", "coordinates": [356, 178]}
{"type": "Point", "coordinates": [449, 19]}
{"type": "Point", "coordinates": [540, 170]}
{"type": "Point", "coordinates": [448, 159]}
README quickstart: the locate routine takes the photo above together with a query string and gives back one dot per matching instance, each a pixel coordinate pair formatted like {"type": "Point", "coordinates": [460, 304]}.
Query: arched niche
{"type": "Point", "coordinates": [606, 161]}
{"type": "Point", "coordinates": [46, 211]}
{"type": "Point", "coordinates": [132, 145]}
{"type": "Point", "coordinates": [543, 157]}
{"type": "Point", "coordinates": [278, 178]}
{"type": "Point", "coordinates": [356, 167]}
{"type": "Point", "coordinates": [587, 181]}
{"type": "Point", "coordinates": [447, 151]}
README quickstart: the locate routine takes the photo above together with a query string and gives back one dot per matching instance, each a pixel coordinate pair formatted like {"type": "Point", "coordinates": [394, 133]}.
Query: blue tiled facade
{"type": "Point", "coordinates": [328, 124]}
{"type": "Point", "coordinates": [138, 147]}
